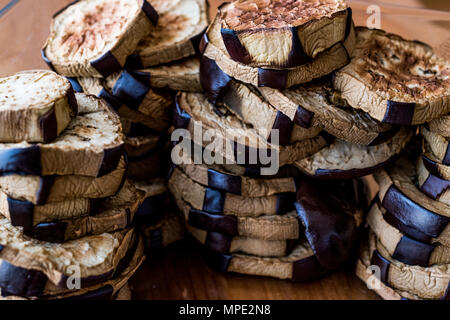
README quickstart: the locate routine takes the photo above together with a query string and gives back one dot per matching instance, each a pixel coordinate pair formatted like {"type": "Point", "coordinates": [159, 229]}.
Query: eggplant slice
{"type": "Point", "coordinates": [91, 145]}
{"type": "Point", "coordinates": [344, 160]}
{"type": "Point", "coordinates": [217, 67]}
{"type": "Point", "coordinates": [394, 80]}
{"type": "Point", "coordinates": [317, 105]}
{"type": "Point", "coordinates": [36, 106]}
{"type": "Point", "coordinates": [93, 38]}
{"type": "Point", "coordinates": [282, 33]}
{"type": "Point", "coordinates": [177, 35]}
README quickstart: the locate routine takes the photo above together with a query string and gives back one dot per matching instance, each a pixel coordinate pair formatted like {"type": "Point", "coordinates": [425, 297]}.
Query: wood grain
{"type": "Point", "coordinates": [180, 272]}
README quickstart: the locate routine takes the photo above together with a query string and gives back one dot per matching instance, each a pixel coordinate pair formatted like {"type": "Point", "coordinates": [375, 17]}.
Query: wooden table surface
{"type": "Point", "coordinates": [179, 272]}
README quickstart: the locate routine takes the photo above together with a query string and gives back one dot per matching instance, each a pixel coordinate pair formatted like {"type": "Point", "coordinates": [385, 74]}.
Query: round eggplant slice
{"type": "Point", "coordinates": [219, 202]}
{"type": "Point", "coordinates": [282, 33]}
{"type": "Point", "coordinates": [94, 37]}
{"type": "Point", "coordinates": [344, 160]}
{"type": "Point", "coordinates": [177, 35]}
{"type": "Point", "coordinates": [424, 282]}
{"type": "Point", "coordinates": [183, 75]}
{"type": "Point", "coordinates": [317, 105]}
{"type": "Point", "coordinates": [35, 106]}
{"type": "Point", "coordinates": [394, 80]}
{"type": "Point", "coordinates": [224, 244]}
{"type": "Point", "coordinates": [114, 213]}
{"type": "Point", "coordinates": [232, 139]}
{"type": "Point", "coordinates": [107, 290]}
{"type": "Point", "coordinates": [42, 189]}
{"type": "Point", "coordinates": [33, 268]}
{"type": "Point", "coordinates": [217, 68]}
{"type": "Point", "coordinates": [92, 145]}
{"type": "Point", "coordinates": [137, 105]}
{"type": "Point", "coordinates": [409, 209]}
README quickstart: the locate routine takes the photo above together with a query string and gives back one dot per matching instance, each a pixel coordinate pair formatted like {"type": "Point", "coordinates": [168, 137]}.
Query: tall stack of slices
{"type": "Point", "coordinates": [65, 203]}
{"type": "Point", "coordinates": [134, 54]}
{"type": "Point", "coordinates": [251, 219]}
{"type": "Point", "coordinates": [406, 253]}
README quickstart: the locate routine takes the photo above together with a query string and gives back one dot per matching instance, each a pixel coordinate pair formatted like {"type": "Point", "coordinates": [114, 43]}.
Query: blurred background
{"type": "Point", "coordinates": [24, 26]}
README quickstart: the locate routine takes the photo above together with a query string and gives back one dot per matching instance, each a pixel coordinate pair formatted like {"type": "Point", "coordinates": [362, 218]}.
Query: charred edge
{"type": "Point", "coordinates": [446, 295]}
{"type": "Point", "coordinates": [384, 136]}
{"type": "Point", "coordinates": [413, 252]}
{"type": "Point", "coordinates": [234, 46]}
{"type": "Point", "coordinates": [156, 239]}
{"type": "Point", "coordinates": [51, 232]}
{"type": "Point", "coordinates": [73, 104]}
{"type": "Point", "coordinates": [76, 86]}
{"type": "Point", "coordinates": [303, 117]}
{"type": "Point", "coordinates": [276, 79]}
{"type": "Point", "coordinates": [446, 159]}
{"type": "Point", "coordinates": [217, 261]}
{"type": "Point", "coordinates": [226, 182]}
{"type": "Point", "coordinates": [351, 173]}
{"type": "Point", "coordinates": [142, 76]}
{"type": "Point", "coordinates": [203, 43]}
{"type": "Point", "coordinates": [111, 158]}
{"type": "Point", "coordinates": [150, 12]}
{"type": "Point", "coordinates": [434, 186]}
{"type": "Point", "coordinates": [307, 269]}
{"type": "Point", "coordinates": [212, 79]}
{"type": "Point", "coordinates": [151, 210]}
{"type": "Point", "coordinates": [284, 126]}
{"type": "Point", "coordinates": [195, 41]}
{"type": "Point", "coordinates": [212, 222]}
{"type": "Point", "coordinates": [48, 126]}
{"type": "Point", "coordinates": [20, 281]}
{"type": "Point", "coordinates": [213, 201]}
{"type": "Point", "coordinates": [64, 8]}
{"type": "Point", "coordinates": [432, 166]}
{"type": "Point", "coordinates": [180, 118]}
{"type": "Point", "coordinates": [103, 293]}
{"type": "Point", "coordinates": [410, 231]}
{"type": "Point", "coordinates": [399, 113]}
{"type": "Point", "coordinates": [129, 90]}
{"type": "Point", "coordinates": [383, 264]}
{"type": "Point", "coordinates": [110, 99]}
{"type": "Point", "coordinates": [45, 185]}
{"type": "Point", "coordinates": [218, 242]}
{"type": "Point", "coordinates": [106, 65]}
{"type": "Point", "coordinates": [412, 214]}
{"type": "Point", "coordinates": [285, 202]}
{"type": "Point", "coordinates": [297, 56]}
{"type": "Point", "coordinates": [134, 61]}
{"type": "Point", "coordinates": [348, 25]}
{"type": "Point", "coordinates": [21, 213]}
{"type": "Point", "coordinates": [47, 60]}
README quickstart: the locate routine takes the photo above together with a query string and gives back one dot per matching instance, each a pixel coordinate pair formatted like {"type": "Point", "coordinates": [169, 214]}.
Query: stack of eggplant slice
{"type": "Point", "coordinates": [344, 101]}
{"type": "Point", "coordinates": [409, 239]}
{"type": "Point", "coordinates": [404, 83]}
{"type": "Point", "coordinates": [66, 205]}
{"type": "Point", "coordinates": [139, 69]}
